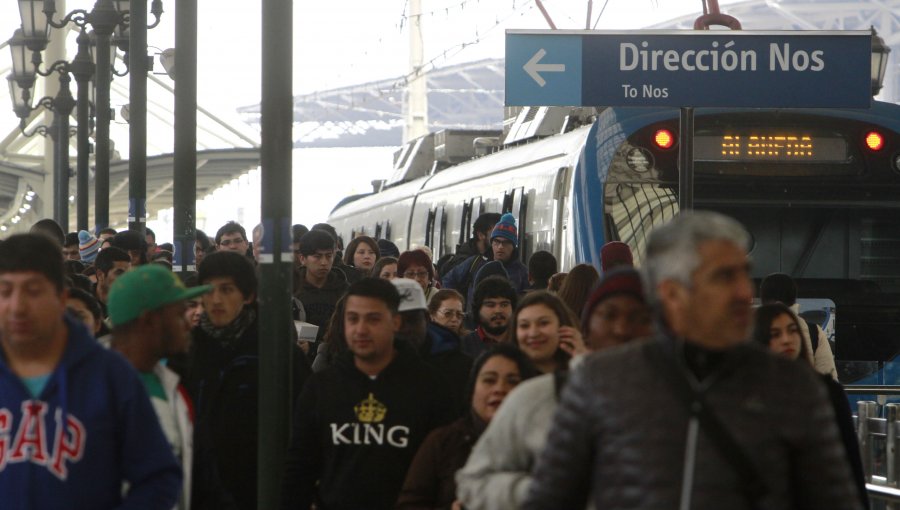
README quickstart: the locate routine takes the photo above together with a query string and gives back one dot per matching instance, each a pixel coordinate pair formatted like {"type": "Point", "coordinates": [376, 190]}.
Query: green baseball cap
{"type": "Point", "coordinates": [144, 289]}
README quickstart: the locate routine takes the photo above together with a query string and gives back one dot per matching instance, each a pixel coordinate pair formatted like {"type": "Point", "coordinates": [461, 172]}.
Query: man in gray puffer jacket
{"type": "Point", "coordinates": [633, 429]}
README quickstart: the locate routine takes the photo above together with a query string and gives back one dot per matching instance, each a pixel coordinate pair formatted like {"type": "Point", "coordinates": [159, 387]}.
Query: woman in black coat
{"type": "Point", "coordinates": [430, 482]}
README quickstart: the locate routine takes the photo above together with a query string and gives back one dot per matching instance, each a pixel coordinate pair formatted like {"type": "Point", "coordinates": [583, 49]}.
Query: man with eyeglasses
{"type": "Point", "coordinates": [504, 248]}
{"type": "Point", "coordinates": [232, 237]}
{"type": "Point", "coordinates": [493, 303]}
{"type": "Point", "coordinates": [318, 285]}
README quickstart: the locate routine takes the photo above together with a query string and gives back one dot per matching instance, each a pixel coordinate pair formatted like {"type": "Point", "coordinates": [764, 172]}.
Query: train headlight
{"type": "Point", "coordinates": [664, 139]}
{"type": "Point", "coordinates": [874, 141]}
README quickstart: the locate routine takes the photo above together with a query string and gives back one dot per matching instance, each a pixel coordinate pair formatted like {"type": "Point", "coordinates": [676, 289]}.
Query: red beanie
{"type": "Point", "coordinates": [623, 280]}
{"type": "Point", "coordinates": [615, 254]}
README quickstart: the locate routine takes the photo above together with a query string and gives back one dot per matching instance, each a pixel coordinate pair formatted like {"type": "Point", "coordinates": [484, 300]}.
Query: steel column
{"type": "Point", "coordinates": [63, 104]}
{"type": "Point", "coordinates": [276, 258]}
{"type": "Point", "coordinates": [185, 172]}
{"type": "Point", "coordinates": [137, 117]}
{"type": "Point", "coordinates": [101, 157]}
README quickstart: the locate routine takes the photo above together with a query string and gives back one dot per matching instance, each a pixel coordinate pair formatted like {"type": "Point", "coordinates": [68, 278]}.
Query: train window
{"type": "Point", "coordinates": [429, 228]}
{"type": "Point", "coordinates": [442, 236]}
{"type": "Point", "coordinates": [465, 221]}
{"type": "Point", "coordinates": [507, 202]}
{"type": "Point", "coordinates": [387, 231]}
{"type": "Point", "coordinates": [378, 230]}
{"type": "Point", "coordinates": [524, 236]}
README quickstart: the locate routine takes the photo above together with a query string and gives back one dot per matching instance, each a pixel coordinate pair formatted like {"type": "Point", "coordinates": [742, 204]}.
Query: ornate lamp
{"type": "Point", "coordinates": [880, 53]}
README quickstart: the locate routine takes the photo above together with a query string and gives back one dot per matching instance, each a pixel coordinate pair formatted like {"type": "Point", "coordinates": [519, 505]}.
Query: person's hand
{"type": "Point", "coordinates": [304, 346]}
{"type": "Point", "coordinates": [456, 505]}
{"type": "Point", "coordinates": [570, 340]}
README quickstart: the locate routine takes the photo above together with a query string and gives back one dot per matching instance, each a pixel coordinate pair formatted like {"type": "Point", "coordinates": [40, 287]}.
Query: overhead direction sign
{"type": "Point", "coordinates": [777, 69]}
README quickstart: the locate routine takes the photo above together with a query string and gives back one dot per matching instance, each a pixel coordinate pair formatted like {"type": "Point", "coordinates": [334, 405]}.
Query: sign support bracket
{"type": "Point", "coordinates": [686, 159]}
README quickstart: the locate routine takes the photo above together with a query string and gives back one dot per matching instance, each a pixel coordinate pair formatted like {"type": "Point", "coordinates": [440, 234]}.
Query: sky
{"type": "Point", "coordinates": [345, 43]}
{"type": "Point", "coordinates": [339, 43]}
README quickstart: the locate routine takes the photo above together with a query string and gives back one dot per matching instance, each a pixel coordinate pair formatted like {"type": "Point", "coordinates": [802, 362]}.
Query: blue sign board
{"type": "Point", "coordinates": [784, 69]}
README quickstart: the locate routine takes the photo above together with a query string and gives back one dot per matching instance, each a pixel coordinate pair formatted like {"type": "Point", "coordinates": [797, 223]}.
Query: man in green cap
{"type": "Point", "coordinates": [146, 309]}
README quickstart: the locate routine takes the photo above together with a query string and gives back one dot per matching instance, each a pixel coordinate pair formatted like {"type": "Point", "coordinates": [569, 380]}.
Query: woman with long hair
{"type": "Point", "coordinates": [385, 268]}
{"type": "Point", "coordinates": [362, 253]}
{"type": "Point", "coordinates": [577, 285]}
{"type": "Point", "coordinates": [778, 329]}
{"type": "Point", "coordinates": [546, 330]}
{"type": "Point", "coordinates": [430, 481]}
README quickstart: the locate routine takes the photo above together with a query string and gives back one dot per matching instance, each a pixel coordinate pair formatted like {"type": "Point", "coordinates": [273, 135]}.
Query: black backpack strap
{"type": "Point", "coordinates": [753, 485]}
{"type": "Point", "coordinates": [813, 335]}
{"type": "Point", "coordinates": [470, 274]}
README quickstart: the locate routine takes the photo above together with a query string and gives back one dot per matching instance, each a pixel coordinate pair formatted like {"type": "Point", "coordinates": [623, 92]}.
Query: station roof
{"type": "Point", "coordinates": [226, 148]}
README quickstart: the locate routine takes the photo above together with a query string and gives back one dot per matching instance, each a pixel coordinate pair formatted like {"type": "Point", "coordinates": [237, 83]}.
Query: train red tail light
{"type": "Point", "coordinates": [874, 141]}
{"type": "Point", "coordinates": [664, 139]}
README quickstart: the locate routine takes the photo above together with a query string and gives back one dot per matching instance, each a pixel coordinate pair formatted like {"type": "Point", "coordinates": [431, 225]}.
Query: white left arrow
{"type": "Point", "coordinates": [533, 67]}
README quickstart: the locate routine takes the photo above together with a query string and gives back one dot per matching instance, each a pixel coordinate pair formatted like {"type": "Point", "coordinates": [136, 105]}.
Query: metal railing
{"type": "Point", "coordinates": [879, 439]}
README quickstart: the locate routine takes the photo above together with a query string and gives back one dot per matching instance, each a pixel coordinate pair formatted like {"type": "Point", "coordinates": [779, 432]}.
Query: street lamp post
{"type": "Point", "coordinates": [103, 19]}
{"type": "Point", "coordinates": [61, 105]}
{"type": "Point", "coordinates": [137, 107]}
{"type": "Point", "coordinates": [24, 75]}
{"type": "Point", "coordinates": [82, 68]}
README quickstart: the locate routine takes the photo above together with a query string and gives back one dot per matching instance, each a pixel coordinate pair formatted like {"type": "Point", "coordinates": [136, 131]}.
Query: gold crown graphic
{"type": "Point", "coordinates": [370, 410]}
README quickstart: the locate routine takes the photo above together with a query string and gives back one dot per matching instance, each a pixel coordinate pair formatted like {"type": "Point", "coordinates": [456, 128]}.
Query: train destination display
{"type": "Point", "coordinates": [784, 69]}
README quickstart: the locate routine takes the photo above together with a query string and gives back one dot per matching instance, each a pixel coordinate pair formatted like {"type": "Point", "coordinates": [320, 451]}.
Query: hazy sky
{"type": "Point", "coordinates": [346, 42]}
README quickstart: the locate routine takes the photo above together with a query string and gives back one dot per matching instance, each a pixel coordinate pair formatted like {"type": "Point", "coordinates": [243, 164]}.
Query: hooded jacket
{"type": "Point", "coordinates": [357, 435]}
{"type": "Point", "coordinates": [111, 436]}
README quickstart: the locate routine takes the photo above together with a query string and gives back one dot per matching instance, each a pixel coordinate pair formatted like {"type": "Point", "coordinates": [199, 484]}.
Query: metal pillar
{"type": "Point", "coordinates": [101, 130]}
{"type": "Point", "coordinates": [276, 261]}
{"type": "Point", "coordinates": [185, 172]}
{"type": "Point", "coordinates": [82, 69]}
{"type": "Point", "coordinates": [63, 104]}
{"type": "Point", "coordinates": [417, 91]}
{"type": "Point", "coordinates": [137, 121]}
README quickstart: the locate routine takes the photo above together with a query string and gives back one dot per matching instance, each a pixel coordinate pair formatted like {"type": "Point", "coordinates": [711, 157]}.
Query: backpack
{"type": "Point", "coordinates": [470, 275]}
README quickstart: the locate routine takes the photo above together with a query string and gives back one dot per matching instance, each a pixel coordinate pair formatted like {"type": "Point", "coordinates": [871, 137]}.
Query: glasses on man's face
{"type": "Point", "coordinates": [501, 242]}
{"type": "Point", "coordinates": [450, 314]}
{"type": "Point", "coordinates": [415, 275]}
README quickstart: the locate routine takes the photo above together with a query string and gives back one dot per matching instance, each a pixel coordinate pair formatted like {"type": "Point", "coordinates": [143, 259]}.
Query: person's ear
{"type": "Point", "coordinates": [397, 322]}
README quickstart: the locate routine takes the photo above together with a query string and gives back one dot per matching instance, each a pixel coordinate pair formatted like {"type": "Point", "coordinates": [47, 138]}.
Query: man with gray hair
{"type": "Point", "coordinates": [695, 417]}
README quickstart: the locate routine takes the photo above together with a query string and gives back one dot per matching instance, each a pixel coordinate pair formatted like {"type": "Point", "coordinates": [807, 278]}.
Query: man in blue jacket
{"type": "Point", "coordinates": [75, 421]}
{"type": "Point", "coordinates": [505, 249]}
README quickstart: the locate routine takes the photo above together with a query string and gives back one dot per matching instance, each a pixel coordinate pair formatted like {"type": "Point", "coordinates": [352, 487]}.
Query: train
{"type": "Point", "coordinates": [818, 190]}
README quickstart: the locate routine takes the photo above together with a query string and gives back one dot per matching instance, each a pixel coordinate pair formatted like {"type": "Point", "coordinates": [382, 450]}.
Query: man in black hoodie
{"type": "Point", "coordinates": [223, 379]}
{"type": "Point", "coordinates": [318, 284]}
{"type": "Point", "coordinates": [359, 423]}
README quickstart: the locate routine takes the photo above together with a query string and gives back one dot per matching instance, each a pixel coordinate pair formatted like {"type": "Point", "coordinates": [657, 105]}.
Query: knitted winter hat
{"type": "Point", "coordinates": [88, 246]}
{"type": "Point", "coordinates": [506, 229]}
{"type": "Point", "coordinates": [615, 254]}
{"type": "Point", "coordinates": [622, 280]}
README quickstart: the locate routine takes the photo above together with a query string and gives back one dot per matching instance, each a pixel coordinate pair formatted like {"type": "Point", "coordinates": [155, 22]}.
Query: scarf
{"type": "Point", "coordinates": [229, 334]}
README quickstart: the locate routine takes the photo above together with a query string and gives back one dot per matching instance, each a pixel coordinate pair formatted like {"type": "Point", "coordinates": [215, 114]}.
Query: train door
{"type": "Point", "coordinates": [520, 209]}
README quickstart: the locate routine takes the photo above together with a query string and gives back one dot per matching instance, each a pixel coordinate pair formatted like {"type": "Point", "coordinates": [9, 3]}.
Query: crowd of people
{"type": "Point", "coordinates": [476, 381]}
